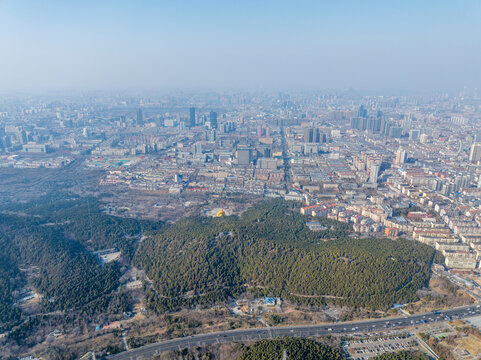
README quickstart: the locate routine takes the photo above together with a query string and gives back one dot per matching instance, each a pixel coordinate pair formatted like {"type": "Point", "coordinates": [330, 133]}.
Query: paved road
{"type": "Point", "coordinates": [148, 351]}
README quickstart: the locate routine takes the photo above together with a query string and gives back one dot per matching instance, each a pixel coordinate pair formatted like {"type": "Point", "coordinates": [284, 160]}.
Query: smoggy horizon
{"type": "Point", "coordinates": [127, 46]}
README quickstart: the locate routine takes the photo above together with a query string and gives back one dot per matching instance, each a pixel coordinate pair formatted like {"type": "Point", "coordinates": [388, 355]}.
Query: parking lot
{"type": "Point", "coordinates": [370, 347]}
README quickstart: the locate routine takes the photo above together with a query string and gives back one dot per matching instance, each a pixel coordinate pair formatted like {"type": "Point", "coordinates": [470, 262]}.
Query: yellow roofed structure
{"type": "Point", "coordinates": [220, 213]}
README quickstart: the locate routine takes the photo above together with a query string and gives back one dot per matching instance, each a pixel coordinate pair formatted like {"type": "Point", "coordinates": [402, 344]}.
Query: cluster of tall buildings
{"type": "Point", "coordinates": [212, 121]}
{"type": "Point", "coordinates": [314, 135]}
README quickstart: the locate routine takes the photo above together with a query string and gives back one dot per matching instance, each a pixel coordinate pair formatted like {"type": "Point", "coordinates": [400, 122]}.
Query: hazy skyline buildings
{"type": "Point", "coordinates": [475, 153]}
{"type": "Point", "coordinates": [192, 116]}
{"type": "Point", "coordinates": [140, 117]}
{"type": "Point", "coordinates": [374, 173]}
{"type": "Point", "coordinates": [213, 119]}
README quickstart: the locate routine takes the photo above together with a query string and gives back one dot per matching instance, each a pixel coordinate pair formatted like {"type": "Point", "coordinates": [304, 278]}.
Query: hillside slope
{"type": "Point", "coordinates": [269, 248]}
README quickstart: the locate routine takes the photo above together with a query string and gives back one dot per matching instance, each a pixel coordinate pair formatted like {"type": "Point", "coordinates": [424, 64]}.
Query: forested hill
{"type": "Point", "coordinates": [269, 248]}
{"type": "Point", "coordinates": [56, 235]}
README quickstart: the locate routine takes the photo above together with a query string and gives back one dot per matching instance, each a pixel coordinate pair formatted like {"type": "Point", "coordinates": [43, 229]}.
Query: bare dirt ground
{"type": "Point", "coordinates": [441, 294]}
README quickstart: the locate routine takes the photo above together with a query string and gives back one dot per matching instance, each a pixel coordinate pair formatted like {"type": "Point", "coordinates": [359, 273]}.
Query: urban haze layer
{"type": "Point", "coordinates": [240, 225]}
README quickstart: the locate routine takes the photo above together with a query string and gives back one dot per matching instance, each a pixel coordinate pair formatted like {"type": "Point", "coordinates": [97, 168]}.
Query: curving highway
{"type": "Point", "coordinates": [365, 326]}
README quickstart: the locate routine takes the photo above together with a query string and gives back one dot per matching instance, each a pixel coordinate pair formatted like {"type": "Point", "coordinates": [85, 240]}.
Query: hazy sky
{"type": "Point", "coordinates": [240, 44]}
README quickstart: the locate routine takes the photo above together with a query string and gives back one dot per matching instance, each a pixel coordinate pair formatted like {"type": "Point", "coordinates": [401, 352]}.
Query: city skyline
{"type": "Point", "coordinates": [240, 180]}
{"type": "Point", "coordinates": [356, 203]}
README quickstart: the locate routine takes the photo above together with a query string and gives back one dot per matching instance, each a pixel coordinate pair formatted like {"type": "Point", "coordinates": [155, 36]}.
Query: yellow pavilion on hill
{"type": "Point", "coordinates": [220, 213]}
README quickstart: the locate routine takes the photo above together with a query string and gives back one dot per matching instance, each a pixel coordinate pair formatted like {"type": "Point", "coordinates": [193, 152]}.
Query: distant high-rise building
{"type": "Point", "coordinates": [362, 111]}
{"type": "Point", "coordinates": [395, 132]}
{"type": "Point", "coordinates": [461, 181]}
{"type": "Point", "coordinates": [309, 135]}
{"type": "Point", "coordinates": [423, 139]}
{"type": "Point", "coordinates": [374, 124]}
{"type": "Point", "coordinates": [385, 126]}
{"type": "Point", "coordinates": [460, 147]}
{"type": "Point", "coordinates": [213, 119]}
{"type": "Point", "coordinates": [7, 142]}
{"type": "Point", "coordinates": [22, 136]}
{"type": "Point", "coordinates": [364, 122]}
{"type": "Point", "coordinates": [314, 135]}
{"type": "Point", "coordinates": [192, 117]}
{"type": "Point", "coordinates": [243, 155]}
{"type": "Point", "coordinates": [374, 173]}
{"type": "Point", "coordinates": [323, 138]}
{"type": "Point", "coordinates": [401, 157]}
{"type": "Point", "coordinates": [197, 148]}
{"type": "Point", "coordinates": [317, 136]}
{"type": "Point", "coordinates": [355, 123]}
{"type": "Point", "coordinates": [406, 122]}
{"type": "Point", "coordinates": [227, 127]}
{"type": "Point", "coordinates": [212, 135]}
{"type": "Point", "coordinates": [458, 120]}
{"type": "Point", "coordinates": [475, 154]}
{"type": "Point", "coordinates": [361, 123]}
{"type": "Point", "coordinates": [140, 117]}
{"type": "Point", "coordinates": [267, 164]}
{"type": "Point", "coordinates": [264, 152]}
{"type": "Point", "coordinates": [414, 134]}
